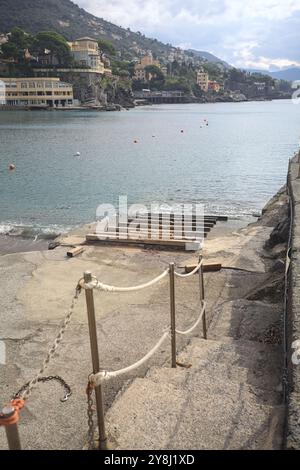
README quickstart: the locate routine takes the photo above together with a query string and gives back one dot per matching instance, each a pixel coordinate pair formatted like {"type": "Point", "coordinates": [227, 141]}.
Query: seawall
{"type": "Point", "coordinates": [293, 310]}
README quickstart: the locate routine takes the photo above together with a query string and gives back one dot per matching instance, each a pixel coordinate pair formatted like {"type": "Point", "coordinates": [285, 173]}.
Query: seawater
{"type": "Point", "coordinates": [233, 165]}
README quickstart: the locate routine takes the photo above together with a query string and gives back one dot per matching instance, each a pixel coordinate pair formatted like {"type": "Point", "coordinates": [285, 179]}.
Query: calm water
{"type": "Point", "coordinates": [234, 165]}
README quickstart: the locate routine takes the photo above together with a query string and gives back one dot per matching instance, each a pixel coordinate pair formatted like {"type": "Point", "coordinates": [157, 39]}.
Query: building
{"type": "Point", "coordinates": [37, 92]}
{"type": "Point", "coordinates": [139, 69]}
{"type": "Point", "coordinates": [86, 53]}
{"type": "Point", "coordinates": [202, 80]}
{"type": "Point", "coordinates": [139, 73]}
{"type": "Point", "coordinates": [214, 86]}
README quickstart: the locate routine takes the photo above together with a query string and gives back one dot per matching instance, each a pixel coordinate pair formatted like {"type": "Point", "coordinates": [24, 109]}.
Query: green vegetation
{"type": "Point", "coordinates": [107, 47]}
{"type": "Point", "coordinates": [66, 18]}
{"type": "Point", "coordinates": [55, 44]}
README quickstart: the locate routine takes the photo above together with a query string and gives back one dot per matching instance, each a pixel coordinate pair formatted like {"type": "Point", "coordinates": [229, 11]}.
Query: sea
{"type": "Point", "coordinates": [230, 157]}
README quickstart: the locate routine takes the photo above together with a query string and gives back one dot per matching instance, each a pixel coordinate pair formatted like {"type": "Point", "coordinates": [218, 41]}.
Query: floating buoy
{"type": "Point", "coordinates": [182, 131]}
{"type": "Point", "coordinates": [135, 142]}
{"type": "Point", "coordinates": [77, 154]}
{"type": "Point", "coordinates": [11, 167]}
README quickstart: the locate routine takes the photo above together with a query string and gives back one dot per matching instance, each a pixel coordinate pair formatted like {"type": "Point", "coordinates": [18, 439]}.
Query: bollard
{"type": "Point", "coordinates": [9, 413]}
{"type": "Point", "coordinates": [95, 360]}
{"type": "Point", "coordinates": [201, 288]}
{"type": "Point", "coordinates": [172, 310]}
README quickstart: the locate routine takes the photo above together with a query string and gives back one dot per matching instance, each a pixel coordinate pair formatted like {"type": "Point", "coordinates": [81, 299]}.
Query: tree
{"type": "Point", "coordinates": [107, 47]}
{"type": "Point", "coordinates": [154, 72]}
{"type": "Point", "coordinates": [18, 42]}
{"type": "Point", "coordinates": [55, 43]}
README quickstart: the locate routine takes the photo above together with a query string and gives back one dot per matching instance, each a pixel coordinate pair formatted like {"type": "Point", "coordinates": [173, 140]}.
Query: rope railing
{"type": "Point", "coordinates": [95, 284]}
{"type": "Point", "coordinates": [192, 272]}
{"type": "Point", "coordinates": [190, 330]}
{"type": "Point", "coordinates": [99, 376]}
{"type": "Point", "coordinates": [10, 415]}
{"type": "Point", "coordinates": [96, 379]}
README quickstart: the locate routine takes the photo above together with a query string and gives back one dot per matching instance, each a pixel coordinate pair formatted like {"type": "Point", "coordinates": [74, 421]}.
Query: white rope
{"type": "Point", "coordinates": [196, 324]}
{"type": "Point", "coordinates": [107, 288]}
{"type": "Point", "coordinates": [96, 379]}
{"type": "Point", "coordinates": [192, 272]}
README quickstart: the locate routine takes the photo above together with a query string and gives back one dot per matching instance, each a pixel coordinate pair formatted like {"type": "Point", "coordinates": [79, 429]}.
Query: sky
{"type": "Point", "coordinates": [261, 34]}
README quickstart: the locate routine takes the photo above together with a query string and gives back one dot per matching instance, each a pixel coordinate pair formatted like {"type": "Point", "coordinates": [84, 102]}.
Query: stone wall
{"type": "Point", "coordinates": [293, 313]}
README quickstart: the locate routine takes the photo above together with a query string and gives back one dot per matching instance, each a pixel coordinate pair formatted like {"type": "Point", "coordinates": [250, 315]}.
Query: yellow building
{"type": "Point", "coordinates": [148, 60]}
{"type": "Point", "coordinates": [86, 53]}
{"type": "Point", "coordinates": [139, 69]}
{"type": "Point", "coordinates": [36, 92]}
{"type": "Point", "coordinates": [202, 80]}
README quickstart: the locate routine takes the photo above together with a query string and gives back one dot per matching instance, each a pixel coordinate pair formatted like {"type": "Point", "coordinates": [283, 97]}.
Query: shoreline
{"type": "Point", "coordinates": [115, 107]}
{"type": "Point", "coordinates": [38, 288]}
{"type": "Point", "coordinates": [10, 244]}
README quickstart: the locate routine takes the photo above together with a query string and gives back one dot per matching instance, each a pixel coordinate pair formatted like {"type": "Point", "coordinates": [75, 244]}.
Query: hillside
{"type": "Point", "coordinates": [289, 75]}
{"type": "Point", "coordinates": [210, 57]}
{"type": "Point", "coordinates": [67, 18]}
{"type": "Point", "coordinates": [73, 22]}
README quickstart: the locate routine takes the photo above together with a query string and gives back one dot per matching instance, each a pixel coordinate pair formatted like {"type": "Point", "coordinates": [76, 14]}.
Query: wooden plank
{"type": "Point", "coordinates": [146, 227]}
{"type": "Point", "coordinates": [223, 218]}
{"type": "Point", "coordinates": [140, 241]}
{"type": "Point", "coordinates": [75, 251]}
{"type": "Point", "coordinates": [188, 218]}
{"type": "Point", "coordinates": [207, 268]}
{"type": "Point", "coordinates": [144, 234]}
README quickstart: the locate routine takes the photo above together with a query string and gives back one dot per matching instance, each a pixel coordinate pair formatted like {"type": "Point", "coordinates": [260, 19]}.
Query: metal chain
{"type": "Point", "coordinates": [90, 414]}
{"type": "Point", "coordinates": [26, 391]}
{"type": "Point", "coordinates": [68, 391]}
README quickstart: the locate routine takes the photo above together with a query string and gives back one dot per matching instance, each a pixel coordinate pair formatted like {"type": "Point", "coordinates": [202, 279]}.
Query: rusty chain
{"type": "Point", "coordinates": [26, 390]}
{"type": "Point", "coordinates": [90, 414]}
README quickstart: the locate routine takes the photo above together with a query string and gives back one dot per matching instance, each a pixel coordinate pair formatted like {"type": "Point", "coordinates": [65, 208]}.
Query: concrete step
{"type": "Point", "coordinates": [256, 363]}
{"type": "Point", "coordinates": [192, 410]}
{"type": "Point", "coordinates": [265, 393]}
{"type": "Point", "coordinates": [244, 319]}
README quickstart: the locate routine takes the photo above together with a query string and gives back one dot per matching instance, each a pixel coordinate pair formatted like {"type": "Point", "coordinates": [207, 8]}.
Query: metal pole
{"type": "Point", "coordinates": [12, 432]}
{"type": "Point", "coordinates": [298, 165]}
{"type": "Point", "coordinates": [201, 287]}
{"type": "Point", "coordinates": [95, 359]}
{"type": "Point", "coordinates": [172, 309]}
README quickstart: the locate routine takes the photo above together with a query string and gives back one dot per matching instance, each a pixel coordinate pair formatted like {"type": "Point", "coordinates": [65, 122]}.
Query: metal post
{"type": "Point", "coordinates": [201, 288]}
{"type": "Point", "coordinates": [95, 359]}
{"type": "Point", "coordinates": [172, 309]}
{"type": "Point", "coordinates": [12, 432]}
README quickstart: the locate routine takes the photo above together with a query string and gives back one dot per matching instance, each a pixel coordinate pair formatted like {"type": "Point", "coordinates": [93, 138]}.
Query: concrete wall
{"type": "Point", "coordinates": [293, 313]}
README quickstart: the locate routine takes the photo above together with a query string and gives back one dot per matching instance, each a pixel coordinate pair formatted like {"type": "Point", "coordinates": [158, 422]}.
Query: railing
{"type": "Point", "coordinates": [10, 414]}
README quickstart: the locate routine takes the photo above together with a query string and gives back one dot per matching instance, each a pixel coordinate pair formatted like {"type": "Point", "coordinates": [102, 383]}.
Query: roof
{"type": "Point", "coordinates": [86, 39]}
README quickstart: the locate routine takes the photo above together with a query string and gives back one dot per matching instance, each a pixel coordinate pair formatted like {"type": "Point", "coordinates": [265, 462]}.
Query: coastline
{"type": "Point", "coordinates": [38, 287]}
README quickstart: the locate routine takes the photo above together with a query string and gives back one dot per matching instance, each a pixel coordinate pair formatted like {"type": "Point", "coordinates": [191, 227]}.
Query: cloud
{"type": "Point", "coordinates": [254, 33]}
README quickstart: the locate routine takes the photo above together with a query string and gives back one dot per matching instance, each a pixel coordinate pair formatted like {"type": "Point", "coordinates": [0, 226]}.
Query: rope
{"type": "Point", "coordinates": [33, 383]}
{"type": "Point", "coordinates": [192, 272]}
{"type": "Point", "coordinates": [196, 324]}
{"type": "Point", "coordinates": [95, 284]}
{"type": "Point", "coordinates": [96, 379]}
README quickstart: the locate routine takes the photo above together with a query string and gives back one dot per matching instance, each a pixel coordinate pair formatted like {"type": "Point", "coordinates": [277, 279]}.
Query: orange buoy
{"type": "Point", "coordinates": [11, 167]}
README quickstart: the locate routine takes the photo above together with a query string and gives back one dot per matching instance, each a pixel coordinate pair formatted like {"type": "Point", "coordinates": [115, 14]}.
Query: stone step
{"type": "Point", "coordinates": [257, 385]}
{"type": "Point", "coordinates": [245, 319]}
{"type": "Point", "coordinates": [259, 363]}
{"type": "Point", "coordinates": [192, 410]}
